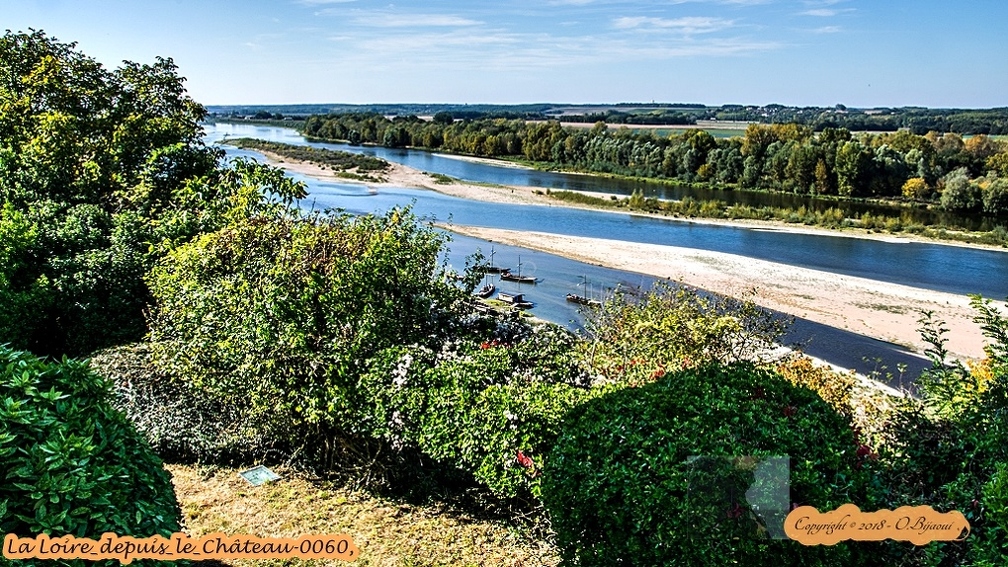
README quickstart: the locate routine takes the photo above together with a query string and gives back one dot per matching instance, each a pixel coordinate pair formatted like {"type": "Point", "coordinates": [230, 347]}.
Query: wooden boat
{"type": "Point", "coordinates": [486, 291]}
{"type": "Point", "coordinates": [506, 275]}
{"type": "Point", "coordinates": [582, 300]}
{"type": "Point", "coordinates": [515, 299]}
{"type": "Point", "coordinates": [490, 268]}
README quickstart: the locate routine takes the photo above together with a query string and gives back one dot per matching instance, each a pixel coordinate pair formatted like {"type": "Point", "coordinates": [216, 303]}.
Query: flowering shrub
{"type": "Point", "coordinates": [491, 407]}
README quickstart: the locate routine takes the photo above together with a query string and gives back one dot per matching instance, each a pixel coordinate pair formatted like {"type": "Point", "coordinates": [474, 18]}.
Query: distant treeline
{"type": "Point", "coordinates": [943, 169]}
{"type": "Point", "coordinates": [993, 121]}
{"type": "Point", "coordinates": [918, 120]}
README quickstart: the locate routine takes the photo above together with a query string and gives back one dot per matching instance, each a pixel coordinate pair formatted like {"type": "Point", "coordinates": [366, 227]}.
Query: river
{"type": "Point", "coordinates": [939, 267]}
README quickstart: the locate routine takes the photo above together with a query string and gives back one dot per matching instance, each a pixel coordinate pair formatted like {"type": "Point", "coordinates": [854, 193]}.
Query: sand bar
{"type": "Point", "coordinates": [876, 309]}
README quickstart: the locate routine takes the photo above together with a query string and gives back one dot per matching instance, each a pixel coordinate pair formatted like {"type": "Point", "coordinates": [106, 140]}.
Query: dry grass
{"type": "Point", "coordinates": [387, 532]}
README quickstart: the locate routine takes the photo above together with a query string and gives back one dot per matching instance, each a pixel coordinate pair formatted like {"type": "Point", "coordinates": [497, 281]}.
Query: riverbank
{"type": "Point", "coordinates": [884, 311]}
{"type": "Point", "coordinates": [398, 175]}
{"type": "Point", "coordinates": [887, 312]}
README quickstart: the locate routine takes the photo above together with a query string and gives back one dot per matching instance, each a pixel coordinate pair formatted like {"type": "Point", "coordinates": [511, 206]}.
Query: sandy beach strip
{"type": "Point", "coordinates": [881, 310]}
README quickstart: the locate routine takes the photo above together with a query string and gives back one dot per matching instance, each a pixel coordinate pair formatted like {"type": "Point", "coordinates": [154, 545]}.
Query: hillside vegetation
{"type": "Point", "coordinates": [226, 327]}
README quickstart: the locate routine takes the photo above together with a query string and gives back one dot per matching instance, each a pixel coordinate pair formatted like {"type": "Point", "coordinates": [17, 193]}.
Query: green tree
{"type": "Point", "coordinates": [959, 193]}
{"type": "Point", "coordinates": [852, 162]}
{"type": "Point", "coordinates": [995, 196]}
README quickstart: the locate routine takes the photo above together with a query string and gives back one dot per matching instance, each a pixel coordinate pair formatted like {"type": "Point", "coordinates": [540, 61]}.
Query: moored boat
{"type": "Point", "coordinates": [582, 300]}
{"type": "Point", "coordinates": [486, 291]}
{"type": "Point", "coordinates": [506, 275]}
{"type": "Point", "coordinates": [515, 299]}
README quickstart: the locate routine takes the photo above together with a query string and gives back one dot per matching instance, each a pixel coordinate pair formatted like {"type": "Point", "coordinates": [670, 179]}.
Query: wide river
{"type": "Point", "coordinates": [953, 269]}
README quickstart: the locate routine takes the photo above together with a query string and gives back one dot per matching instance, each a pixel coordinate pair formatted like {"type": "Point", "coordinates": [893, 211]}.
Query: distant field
{"type": "Point", "coordinates": [718, 129]}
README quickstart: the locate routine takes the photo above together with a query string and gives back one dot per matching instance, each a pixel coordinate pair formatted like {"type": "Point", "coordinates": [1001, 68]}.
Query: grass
{"type": "Point", "coordinates": [898, 309]}
{"type": "Point", "coordinates": [442, 179]}
{"type": "Point", "coordinates": [386, 531]}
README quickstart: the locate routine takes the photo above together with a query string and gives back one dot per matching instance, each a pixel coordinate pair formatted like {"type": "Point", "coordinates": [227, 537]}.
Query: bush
{"type": "Point", "coordinates": [621, 488]}
{"type": "Point", "coordinates": [671, 327]}
{"type": "Point", "coordinates": [477, 405]}
{"type": "Point", "coordinates": [949, 448]}
{"type": "Point", "coordinates": [71, 463]}
{"type": "Point", "coordinates": [181, 422]}
{"type": "Point", "coordinates": [280, 316]}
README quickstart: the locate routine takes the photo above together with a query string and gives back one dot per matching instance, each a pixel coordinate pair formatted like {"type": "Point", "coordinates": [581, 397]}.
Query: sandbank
{"type": "Point", "coordinates": [876, 309]}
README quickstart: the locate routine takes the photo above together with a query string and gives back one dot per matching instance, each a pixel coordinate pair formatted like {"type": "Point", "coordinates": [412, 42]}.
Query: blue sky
{"type": "Point", "coordinates": [796, 52]}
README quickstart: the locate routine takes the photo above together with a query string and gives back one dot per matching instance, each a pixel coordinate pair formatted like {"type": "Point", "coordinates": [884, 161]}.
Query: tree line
{"type": "Point", "coordinates": [966, 175]}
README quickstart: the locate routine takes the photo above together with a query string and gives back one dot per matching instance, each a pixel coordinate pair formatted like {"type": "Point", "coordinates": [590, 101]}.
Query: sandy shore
{"type": "Point", "coordinates": [399, 175]}
{"type": "Point", "coordinates": [880, 310]}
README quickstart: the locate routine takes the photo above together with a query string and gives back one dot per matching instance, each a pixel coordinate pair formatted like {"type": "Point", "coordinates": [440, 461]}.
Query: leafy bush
{"type": "Point", "coordinates": [671, 327]}
{"type": "Point", "coordinates": [71, 463]}
{"type": "Point", "coordinates": [621, 488]}
{"type": "Point", "coordinates": [492, 408]}
{"type": "Point", "coordinates": [280, 316]}
{"type": "Point", "coordinates": [948, 448]}
{"type": "Point", "coordinates": [180, 421]}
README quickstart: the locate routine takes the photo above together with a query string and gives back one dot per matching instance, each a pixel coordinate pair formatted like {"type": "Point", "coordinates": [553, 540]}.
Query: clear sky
{"type": "Point", "coordinates": [862, 53]}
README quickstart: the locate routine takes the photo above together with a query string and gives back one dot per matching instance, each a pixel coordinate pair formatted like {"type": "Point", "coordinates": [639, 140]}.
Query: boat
{"type": "Point", "coordinates": [506, 275]}
{"type": "Point", "coordinates": [486, 291]}
{"type": "Point", "coordinates": [490, 268]}
{"type": "Point", "coordinates": [583, 299]}
{"type": "Point", "coordinates": [515, 299]}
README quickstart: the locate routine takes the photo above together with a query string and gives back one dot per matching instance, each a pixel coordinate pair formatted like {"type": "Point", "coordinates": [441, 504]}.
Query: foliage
{"type": "Point", "coordinates": [181, 422]}
{"type": "Point", "coordinates": [916, 188]}
{"type": "Point", "coordinates": [622, 488]}
{"type": "Point", "coordinates": [283, 314]}
{"type": "Point", "coordinates": [71, 463]}
{"type": "Point", "coordinates": [786, 157]}
{"type": "Point", "coordinates": [946, 449]}
{"type": "Point", "coordinates": [492, 408]}
{"type": "Point", "coordinates": [100, 172]}
{"type": "Point", "coordinates": [673, 327]}
{"type": "Point", "coordinates": [959, 193]}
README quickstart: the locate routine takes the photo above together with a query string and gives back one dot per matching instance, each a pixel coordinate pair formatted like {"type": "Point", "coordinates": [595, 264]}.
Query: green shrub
{"type": "Point", "coordinates": [621, 488]}
{"type": "Point", "coordinates": [948, 449]}
{"type": "Point", "coordinates": [476, 405]}
{"type": "Point", "coordinates": [280, 316]}
{"type": "Point", "coordinates": [70, 463]}
{"type": "Point", "coordinates": [181, 422]}
{"type": "Point", "coordinates": [638, 339]}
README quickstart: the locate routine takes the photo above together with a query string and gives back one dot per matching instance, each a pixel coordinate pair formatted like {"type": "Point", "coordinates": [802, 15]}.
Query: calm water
{"type": "Point", "coordinates": [427, 161]}
{"type": "Point", "coordinates": [939, 267]}
{"type": "Point", "coordinates": [933, 266]}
